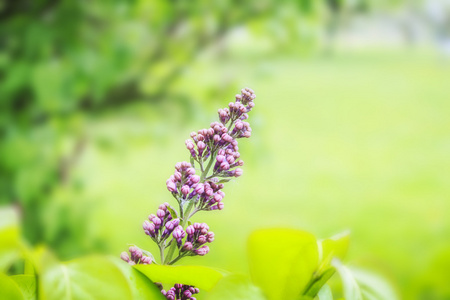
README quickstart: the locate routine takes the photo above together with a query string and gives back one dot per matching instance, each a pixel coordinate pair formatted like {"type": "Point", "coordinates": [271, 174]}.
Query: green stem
{"type": "Point", "coordinates": [173, 247]}
{"type": "Point", "coordinates": [211, 160]}
{"type": "Point", "coordinates": [176, 259]}
{"type": "Point", "coordinates": [161, 252]}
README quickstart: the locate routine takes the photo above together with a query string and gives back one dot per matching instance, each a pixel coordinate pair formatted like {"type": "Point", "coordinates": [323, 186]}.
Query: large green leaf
{"type": "Point", "coordinates": [9, 289]}
{"type": "Point", "coordinates": [235, 287]}
{"type": "Point", "coordinates": [201, 277]}
{"type": "Point", "coordinates": [282, 261]}
{"type": "Point", "coordinates": [87, 278]}
{"type": "Point", "coordinates": [27, 285]}
{"type": "Point", "coordinates": [141, 287]}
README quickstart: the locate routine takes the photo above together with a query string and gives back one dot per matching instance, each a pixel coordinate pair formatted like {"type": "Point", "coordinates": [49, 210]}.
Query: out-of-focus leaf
{"type": "Point", "coordinates": [316, 284]}
{"type": "Point", "coordinates": [325, 293]}
{"type": "Point", "coordinates": [9, 237]}
{"type": "Point", "coordinates": [201, 277]}
{"type": "Point", "coordinates": [140, 286]}
{"type": "Point", "coordinates": [8, 217]}
{"type": "Point", "coordinates": [282, 268]}
{"type": "Point", "coordinates": [373, 286]}
{"type": "Point", "coordinates": [9, 289]}
{"type": "Point", "coordinates": [336, 246]}
{"type": "Point", "coordinates": [235, 287]}
{"type": "Point", "coordinates": [351, 287]}
{"type": "Point", "coordinates": [27, 285]}
{"type": "Point", "coordinates": [86, 278]}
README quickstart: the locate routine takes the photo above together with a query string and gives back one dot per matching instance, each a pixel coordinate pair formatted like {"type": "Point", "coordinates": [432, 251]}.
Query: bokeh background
{"type": "Point", "coordinates": [350, 130]}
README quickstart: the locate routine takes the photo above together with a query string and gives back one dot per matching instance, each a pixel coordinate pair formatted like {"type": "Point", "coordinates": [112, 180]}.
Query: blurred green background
{"type": "Point", "coordinates": [350, 129]}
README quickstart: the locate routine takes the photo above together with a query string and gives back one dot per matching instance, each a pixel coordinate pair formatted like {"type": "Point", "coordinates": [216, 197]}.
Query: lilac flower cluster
{"type": "Point", "coordinates": [184, 180]}
{"type": "Point", "coordinates": [181, 292]}
{"type": "Point", "coordinates": [197, 186]}
{"type": "Point", "coordinates": [161, 225]}
{"type": "Point", "coordinates": [136, 257]}
{"type": "Point", "coordinates": [198, 235]}
{"type": "Point", "coordinates": [211, 198]}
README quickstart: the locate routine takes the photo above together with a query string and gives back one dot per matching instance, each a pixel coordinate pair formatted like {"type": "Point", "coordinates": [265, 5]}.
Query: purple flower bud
{"type": "Point", "coordinates": [170, 225]}
{"type": "Point", "coordinates": [160, 213]}
{"type": "Point", "coordinates": [201, 145]}
{"type": "Point", "coordinates": [227, 138]}
{"type": "Point", "coordinates": [190, 171]}
{"type": "Point", "coordinates": [190, 230]}
{"type": "Point", "coordinates": [201, 239]}
{"type": "Point", "coordinates": [209, 191]}
{"type": "Point", "coordinates": [177, 176]}
{"type": "Point", "coordinates": [135, 252]}
{"type": "Point", "coordinates": [124, 256]}
{"type": "Point", "coordinates": [189, 145]}
{"type": "Point", "coordinates": [157, 222]}
{"type": "Point", "coordinates": [220, 158]}
{"type": "Point", "coordinates": [202, 251]}
{"type": "Point", "coordinates": [210, 237]}
{"type": "Point", "coordinates": [238, 172]}
{"type": "Point", "coordinates": [195, 178]}
{"type": "Point", "coordinates": [199, 189]}
{"type": "Point", "coordinates": [146, 260]}
{"type": "Point", "coordinates": [217, 197]}
{"type": "Point", "coordinates": [171, 186]}
{"type": "Point", "coordinates": [224, 165]}
{"type": "Point", "coordinates": [185, 190]}
{"type": "Point", "coordinates": [187, 246]}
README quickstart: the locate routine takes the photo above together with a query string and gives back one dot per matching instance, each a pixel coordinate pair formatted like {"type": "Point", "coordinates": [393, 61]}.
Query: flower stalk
{"type": "Point", "coordinates": [217, 147]}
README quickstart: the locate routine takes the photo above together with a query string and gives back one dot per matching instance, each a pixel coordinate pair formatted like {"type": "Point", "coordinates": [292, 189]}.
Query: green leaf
{"type": "Point", "coordinates": [373, 286]}
{"type": "Point", "coordinates": [316, 284]}
{"type": "Point", "coordinates": [9, 247]}
{"type": "Point", "coordinates": [235, 287]}
{"type": "Point", "coordinates": [27, 285]}
{"type": "Point", "coordinates": [351, 287]}
{"type": "Point", "coordinates": [9, 289]}
{"type": "Point", "coordinates": [201, 277]}
{"type": "Point", "coordinates": [141, 287]}
{"type": "Point", "coordinates": [224, 180]}
{"type": "Point", "coordinates": [172, 212]}
{"type": "Point", "coordinates": [336, 246]}
{"type": "Point", "coordinates": [282, 261]}
{"type": "Point", "coordinates": [86, 278]}
{"type": "Point", "coordinates": [325, 293]}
